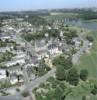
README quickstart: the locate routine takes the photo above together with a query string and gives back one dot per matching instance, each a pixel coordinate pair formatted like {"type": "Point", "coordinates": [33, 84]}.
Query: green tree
{"type": "Point", "coordinates": [94, 90]}
{"type": "Point", "coordinates": [68, 63]}
{"type": "Point", "coordinates": [58, 93]}
{"type": "Point", "coordinates": [83, 75]}
{"type": "Point", "coordinates": [7, 73]}
{"type": "Point", "coordinates": [25, 94]}
{"type": "Point", "coordinates": [73, 76]}
{"type": "Point", "coordinates": [63, 62]}
{"type": "Point", "coordinates": [59, 61]}
{"type": "Point", "coordinates": [90, 38]}
{"type": "Point", "coordinates": [60, 73]}
{"type": "Point", "coordinates": [84, 98]}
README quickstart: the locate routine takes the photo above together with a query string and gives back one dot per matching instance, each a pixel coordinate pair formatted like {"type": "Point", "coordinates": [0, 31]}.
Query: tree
{"type": "Point", "coordinates": [68, 63]}
{"type": "Point", "coordinates": [83, 75]}
{"type": "Point", "coordinates": [84, 98]}
{"type": "Point", "coordinates": [61, 61]}
{"type": "Point", "coordinates": [25, 94]}
{"type": "Point", "coordinates": [94, 90]}
{"type": "Point", "coordinates": [44, 68]}
{"type": "Point", "coordinates": [7, 73]}
{"type": "Point", "coordinates": [71, 34]}
{"type": "Point", "coordinates": [67, 25]}
{"type": "Point", "coordinates": [90, 38]}
{"type": "Point", "coordinates": [58, 93]}
{"type": "Point", "coordinates": [60, 73]}
{"type": "Point", "coordinates": [73, 77]}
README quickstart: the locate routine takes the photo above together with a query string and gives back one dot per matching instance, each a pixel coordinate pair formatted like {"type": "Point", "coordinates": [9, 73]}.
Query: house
{"type": "Point", "coordinates": [41, 54]}
{"type": "Point", "coordinates": [77, 42]}
{"type": "Point", "coordinates": [90, 44]}
{"type": "Point", "coordinates": [34, 61]}
{"type": "Point", "coordinates": [48, 27]}
{"type": "Point", "coordinates": [30, 73]}
{"type": "Point", "coordinates": [19, 55]}
{"type": "Point", "coordinates": [2, 74]}
{"type": "Point", "coordinates": [13, 79]}
{"type": "Point", "coordinates": [14, 62]}
{"type": "Point", "coordinates": [16, 69]}
{"type": "Point", "coordinates": [3, 38]}
{"type": "Point", "coordinates": [48, 62]}
{"type": "Point", "coordinates": [89, 47]}
{"type": "Point", "coordinates": [4, 49]}
{"type": "Point", "coordinates": [20, 78]}
{"type": "Point", "coordinates": [40, 45]}
{"type": "Point", "coordinates": [61, 34]}
{"type": "Point", "coordinates": [53, 49]}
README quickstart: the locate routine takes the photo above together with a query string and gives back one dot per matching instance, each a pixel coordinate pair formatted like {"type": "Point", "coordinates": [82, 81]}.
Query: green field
{"type": "Point", "coordinates": [89, 61]}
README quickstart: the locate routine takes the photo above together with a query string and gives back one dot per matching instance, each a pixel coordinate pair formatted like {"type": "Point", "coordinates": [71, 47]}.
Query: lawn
{"type": "Point", "coordinates": [83, 89]}
{"type": "Point", "coordinates": [89, 61]}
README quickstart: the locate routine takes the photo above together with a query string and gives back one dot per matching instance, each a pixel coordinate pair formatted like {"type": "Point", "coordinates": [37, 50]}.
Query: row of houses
{"type": "Point", "coordinates": [13, 71]}
{"type": "Point", "coordinates": [14, 77]}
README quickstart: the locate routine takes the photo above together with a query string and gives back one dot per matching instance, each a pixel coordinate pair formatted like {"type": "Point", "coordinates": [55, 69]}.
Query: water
{"type": "Point", "coordinates": [88, 25]}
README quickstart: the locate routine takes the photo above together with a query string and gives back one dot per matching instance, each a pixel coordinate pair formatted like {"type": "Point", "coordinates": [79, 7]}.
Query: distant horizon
{"type": "Point", "coordinates": [33, 5]}
{"type": "Point", "coordinates": [46, 9]}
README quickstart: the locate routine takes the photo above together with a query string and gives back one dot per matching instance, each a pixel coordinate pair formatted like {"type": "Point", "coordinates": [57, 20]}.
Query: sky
{"type": "Point", "coordinates": [14, 5]}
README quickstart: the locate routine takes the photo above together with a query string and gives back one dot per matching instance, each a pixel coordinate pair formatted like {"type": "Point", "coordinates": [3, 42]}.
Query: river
{"type": "Point", "coordinates": [91, 25]}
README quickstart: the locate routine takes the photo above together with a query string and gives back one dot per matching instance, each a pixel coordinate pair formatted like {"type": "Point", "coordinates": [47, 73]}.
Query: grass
{"type": "Point", "coordinates": [83, 89]}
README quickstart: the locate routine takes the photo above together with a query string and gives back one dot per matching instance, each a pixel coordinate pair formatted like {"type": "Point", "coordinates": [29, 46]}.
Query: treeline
{"type": "Point", "coordinates": [88, 15]}
{"type": "Point", "coordinates": [39, 35]}
{"type": "Point", "coordinates": [36, 20]}
{"type": "Point", "coordinates": [22, 14]}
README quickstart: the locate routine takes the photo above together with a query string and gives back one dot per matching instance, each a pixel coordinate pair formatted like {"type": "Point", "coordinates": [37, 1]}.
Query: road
{"type": "Point", "coordinates": [14, 97]}
{"type": "Point", "coordinates": [27, 83]}
{"type": "Point", "coordinates": [42, 79]}
{"type": "Point", "coordinates": [76, 57]}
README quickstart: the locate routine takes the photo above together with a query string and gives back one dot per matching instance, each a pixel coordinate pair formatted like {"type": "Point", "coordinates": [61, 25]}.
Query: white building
{"type": "Point", "coordinates": [14, 62]}
{"type": "Point", "coordinates": [40, 45]}
{"type": "Point", "coordinates": [2, 74]}
{"type": "Point", "coordinates": [5, 37]}
{"type": "Point", "coordinates": [13, 79]}
{"type": "Point", "coordinates": [19, 55]}
{"type": "Point", "coordinates": [54, 50]}
{"type": "Point", "coordinates": [4, 49]}
{"type": "Point", "coordinates": [77, 43]}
